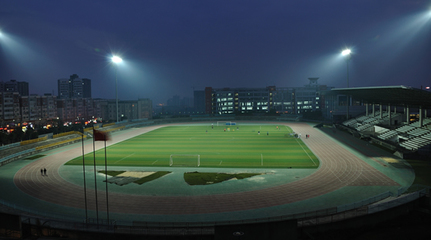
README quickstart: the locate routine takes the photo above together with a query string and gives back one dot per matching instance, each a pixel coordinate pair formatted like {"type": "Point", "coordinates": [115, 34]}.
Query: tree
{"type": "Point", "coordinates": [3, 138]}
{"type": "Point", "coordinates": [16, 136]}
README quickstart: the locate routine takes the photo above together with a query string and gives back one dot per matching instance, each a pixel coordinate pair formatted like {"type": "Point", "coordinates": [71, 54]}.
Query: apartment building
{"type": "Point", "coordinates": [287, 100]}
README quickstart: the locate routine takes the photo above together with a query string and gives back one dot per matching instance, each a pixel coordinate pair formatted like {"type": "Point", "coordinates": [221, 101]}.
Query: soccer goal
{"type": "Point", "coordinates": [228, 123]}
{"type": "Point", "coordinates": [185, 160]}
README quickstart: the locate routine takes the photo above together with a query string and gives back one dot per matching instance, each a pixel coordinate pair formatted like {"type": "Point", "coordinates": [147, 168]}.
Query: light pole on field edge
{"type": "Point", "coordinates": [347, 53]}
{"type": "Point", "coordinates": [116, 60]}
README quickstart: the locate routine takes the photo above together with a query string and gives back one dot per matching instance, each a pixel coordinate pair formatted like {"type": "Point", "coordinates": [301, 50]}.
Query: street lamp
{"type": "Point", "coordinates": [347, 53]}
{"type": "Point", "coordinates": [116, 60]}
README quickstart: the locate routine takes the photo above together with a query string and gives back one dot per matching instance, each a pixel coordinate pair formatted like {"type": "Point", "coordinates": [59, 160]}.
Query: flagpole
{"type": "Point", "coordinates": [83, 170]}
{"type": "Point", "coordinates": [106, 181]}
{"type": "Point", "coordinates": [95, 180]}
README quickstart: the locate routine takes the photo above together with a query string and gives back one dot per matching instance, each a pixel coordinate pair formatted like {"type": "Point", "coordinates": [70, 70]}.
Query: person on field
{"type": "Point", "coordinates": [44, 171]}
{"type": "Point", "coordinates": [41, 171]}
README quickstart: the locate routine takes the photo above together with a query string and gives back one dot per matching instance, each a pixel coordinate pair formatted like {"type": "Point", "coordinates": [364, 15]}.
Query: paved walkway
{"type": "Point", "coordinates": [340, 168]}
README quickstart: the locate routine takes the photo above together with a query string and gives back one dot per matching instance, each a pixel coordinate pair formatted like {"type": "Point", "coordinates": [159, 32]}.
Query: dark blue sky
{"type": "Point", "coordinates": [171, 47]}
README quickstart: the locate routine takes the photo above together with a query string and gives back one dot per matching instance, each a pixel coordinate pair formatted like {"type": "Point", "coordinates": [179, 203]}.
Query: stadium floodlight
{"type": "Point", "coordinates": [116, 60]}
{"type": "Point", "coordinates": [346, 52]}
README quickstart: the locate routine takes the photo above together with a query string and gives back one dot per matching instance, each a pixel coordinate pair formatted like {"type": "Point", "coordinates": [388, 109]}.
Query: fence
{"type": "Point", "coordinates": [328, 215]}
{"type": "Point", "coordinates": [367, 206]}
{"type": "Point", "coordinates": [65, 134]}
{"type": "Point", "coordinates": [33, 140]}
{"type": "Point", "coordinates": [364, 202]}
{"type": "Point", "coordinates": [48, 146]}
{"type": "Point", "coordinates": [14, 156]}
{"type": "Point", "coordinates": [4, 147]}
{"type": "Point", "coordinates": [403, 199]}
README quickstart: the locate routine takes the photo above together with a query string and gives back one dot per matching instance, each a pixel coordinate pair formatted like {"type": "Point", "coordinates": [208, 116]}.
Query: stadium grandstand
{"type": "Point", "coordinates": [395, 117]}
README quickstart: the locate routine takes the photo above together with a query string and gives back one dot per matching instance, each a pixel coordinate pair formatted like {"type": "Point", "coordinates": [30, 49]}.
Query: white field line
{"type": "Point", "coordinates": [154, 162]}
{"type": "Point", "coordinates": [330, 169]}
{"type": "Point", "coordinates": [220, 163]}
{"type": "Point", "coordinates": [125, 157]}
{"type": "Point", "coordinates": [305, 152]}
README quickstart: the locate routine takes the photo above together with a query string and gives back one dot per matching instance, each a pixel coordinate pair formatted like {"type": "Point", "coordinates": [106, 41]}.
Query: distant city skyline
{"type": "Point", "coordinates": [175, 47]}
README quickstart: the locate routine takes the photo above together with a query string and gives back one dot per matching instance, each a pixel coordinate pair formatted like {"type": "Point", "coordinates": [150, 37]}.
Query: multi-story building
{"type": "Point", "coordinates": [176, 105]}
{"type": "Point", "coordinates": [49, 107]}
{"type": "Point", "coordinates": [38, 109]}
{"type": "Point", "coordinates": [74, 87]}
{"type": "Point", "coordinates": [295, 100]}
{"type": "Point", "coordinates": [74, 103]}
{"type": "Point", "coordinates": [35, 108]}
{"type": "Point", "coordinates": [9, 107]}
{"type": "Point", "coordinates": [69, 110]}
{"type": "Point", "coordinates": [238, 100]}
{"type": "Point", "coordinates": [131, 109]}
{"type": "Point", "coordinates": [284, 100]}
{"type": "Point", "coordinates": [15, 86]}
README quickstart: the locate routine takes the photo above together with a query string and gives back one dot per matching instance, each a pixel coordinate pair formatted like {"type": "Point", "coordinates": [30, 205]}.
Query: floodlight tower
{"type": "Point", "coordinates": [347, 53]}
{"type": "Point", "coordinates": [116, 60]}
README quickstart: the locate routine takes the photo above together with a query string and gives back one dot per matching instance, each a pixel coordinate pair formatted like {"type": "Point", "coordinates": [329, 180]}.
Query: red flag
{"type": "Point", "coordinates": [100, 136]}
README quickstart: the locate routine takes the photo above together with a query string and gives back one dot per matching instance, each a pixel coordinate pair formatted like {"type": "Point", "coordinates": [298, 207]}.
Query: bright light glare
{"type": "Point", "coordinates": [116, 59]}
{"type": "Point", "coordinates": [346, 52]}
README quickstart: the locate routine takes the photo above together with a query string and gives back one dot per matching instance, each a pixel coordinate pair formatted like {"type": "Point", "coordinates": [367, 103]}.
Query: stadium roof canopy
{"type": "Point", "coordinates": [393, 95]}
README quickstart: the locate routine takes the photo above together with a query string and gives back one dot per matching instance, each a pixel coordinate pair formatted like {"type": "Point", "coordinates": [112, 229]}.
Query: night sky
{"type": "Point", "coordinates": [172, 47]}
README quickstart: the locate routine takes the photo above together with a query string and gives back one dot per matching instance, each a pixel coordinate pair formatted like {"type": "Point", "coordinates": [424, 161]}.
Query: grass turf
{"type": "Point", "coordinates": [218, 146]}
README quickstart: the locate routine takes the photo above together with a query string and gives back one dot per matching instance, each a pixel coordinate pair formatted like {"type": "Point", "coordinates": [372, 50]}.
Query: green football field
{"type": "Point", "coordinates": [242, 146]}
